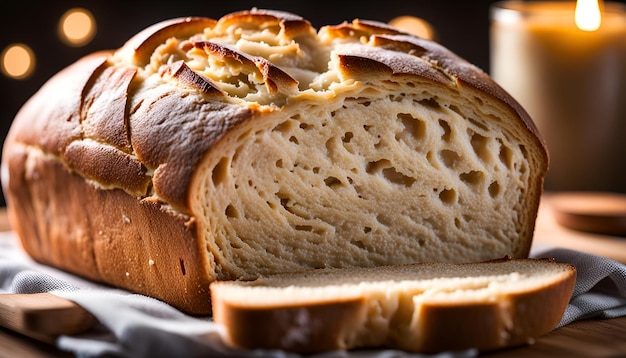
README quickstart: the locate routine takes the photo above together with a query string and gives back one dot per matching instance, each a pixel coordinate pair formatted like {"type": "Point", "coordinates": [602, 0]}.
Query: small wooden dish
{"type": "Point", "coordinates": [595, 212]}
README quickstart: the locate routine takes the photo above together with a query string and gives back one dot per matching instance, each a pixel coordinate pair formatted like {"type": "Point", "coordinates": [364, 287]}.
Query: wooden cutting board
{"type": "Point", "coordinates": [43, 316]}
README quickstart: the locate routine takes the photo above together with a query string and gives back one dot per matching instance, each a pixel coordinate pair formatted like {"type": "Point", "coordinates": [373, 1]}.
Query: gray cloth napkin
{"type": "Point", "coordinates": [600, 290]}
{"type": "Point", "coordinates": [132, 325]}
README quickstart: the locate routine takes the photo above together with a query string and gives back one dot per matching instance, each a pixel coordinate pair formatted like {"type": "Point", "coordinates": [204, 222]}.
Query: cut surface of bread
{"type": "Point", "coordinates": [429, 307]}
{"type": "Point", "coordinates": [255, 144]}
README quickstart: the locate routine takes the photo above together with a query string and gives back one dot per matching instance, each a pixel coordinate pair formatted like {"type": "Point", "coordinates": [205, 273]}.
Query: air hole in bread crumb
{"type": "Point", "coordinates": [294, 140]}
{"type": "Point", "coordinates": [448, 196]}
{"type": "Point", "coordinates": [430, 103]}
{"type": "Point", "coordinates": [390, 173]}
{"type": "Point", "coordinates": [383, 220]}
{"type": "Point", "coordinates": [431, 159]}
{"type": "Point", "coordinates": [374, 167]}
{"type": "Point", "coordinates": [456, 110]}
{"type": "Point", "coordinates": [220, 171]}
{"type": "Point", "coordinates": [480, 145]}
{"type": "Point", "coordinates": [358, 243]}
{"type": "Point", "coordinates": [284, 127]}
{"type": "Point", "coordinates": [445, 136]}
{"type": "Point", "coordinates": [245, 135]}
{"type": "Point", "coordinates": [305, 126]}
{"type": "Point", "coordinates": [308, 228]}
{"type": "Point", "coordinates": [398, 97]}
{"type": "Point", "coordinates": [449, 158]}
{"type": "Point", "coordinates": [413, 128]}
{"type": "Point", "coordinates": [457, 223]}
{"type": "Point", "coordinates": [505, 155]}
{"type": "Point", "coordinates": [333, 182]}
{"type": "Point", "coordinates": [367, 229]}
{"type": "Point", "coordinates": [472, 178]}
{"type": "Point", "coordinates": [523, 168]}
{"type": "Point", "coordinates": [494, 189]}
{"type": "Point", "coordinates": [478, 124]}
{"type": "Point", "coordinates": [231, 212]}
{"type": "Point", "coordinates": [347, 137]}
{"type": "Point", "coordinates": [234, 244]}
{"type": "Point", "coordinates": [279, 163]}
{"type": "Point", "coordinates": [522, 148]}
{"type": "Point", "coordinates": [330, 146]}
{"type": "Point", "coordinates": [284, 201]}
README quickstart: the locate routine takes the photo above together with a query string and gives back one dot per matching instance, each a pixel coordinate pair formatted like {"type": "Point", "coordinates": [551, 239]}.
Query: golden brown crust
{"type": "Point", "coordinates": [103, 106]}
{"type": "Point", "coordinates": [291, 25]}
{"type": "Point", "coordinates": [137, 245]}
{"type": "Point", "coordinates": [186, 76]}
{"type": "Point", "coordinates": [490, 325]}
{"type": "Point", "coordinates": [113, 169]}
{"type": "Point", "coordinates": [263, 328]}
{"type": "Point", "coordinates": [141, 46]}
{"type": "Point", "coordinates": [187, 129]}
{"type": "Point", "coordinates": [52, 115]}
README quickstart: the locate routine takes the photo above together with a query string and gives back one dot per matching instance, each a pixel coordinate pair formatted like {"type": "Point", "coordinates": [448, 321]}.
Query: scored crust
{"type": "Point", "coordinates": [254, 145]}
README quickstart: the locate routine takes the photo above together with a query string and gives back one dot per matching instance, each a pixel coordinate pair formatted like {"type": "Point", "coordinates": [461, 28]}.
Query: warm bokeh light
{"type": "Point", "coordinates": [77, 27]}
{"type": "Point", "coordinates": [414, 25]}
{"type": "Point", "coordinates": [18, 61]}
{"type": "Point", "coordinates": [587, 16]}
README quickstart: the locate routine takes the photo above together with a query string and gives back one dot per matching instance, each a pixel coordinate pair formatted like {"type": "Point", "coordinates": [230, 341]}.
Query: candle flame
{"type": "Point", "coordinates": [587, 15]}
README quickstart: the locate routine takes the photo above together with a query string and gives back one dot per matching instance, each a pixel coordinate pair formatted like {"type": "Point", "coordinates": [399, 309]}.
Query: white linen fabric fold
{"type": "Point", "coordinates": [132, 325]}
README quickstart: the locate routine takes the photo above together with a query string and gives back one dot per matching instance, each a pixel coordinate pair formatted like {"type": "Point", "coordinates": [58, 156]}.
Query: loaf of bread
{"type": "Point", "coordinates": [428, 308]}
{"type": "Point", "coordinates": [255, 144]}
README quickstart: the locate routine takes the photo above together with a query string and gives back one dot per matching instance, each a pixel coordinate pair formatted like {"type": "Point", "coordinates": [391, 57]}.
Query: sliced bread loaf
{"type": "Point", "coordinates": [256, 144]}
{"type": "Point", "coordinates": [429, 307]}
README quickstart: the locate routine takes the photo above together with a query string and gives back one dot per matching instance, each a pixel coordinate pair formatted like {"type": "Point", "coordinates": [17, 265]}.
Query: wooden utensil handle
{"type": "Point", "coordinates": [43, 316]}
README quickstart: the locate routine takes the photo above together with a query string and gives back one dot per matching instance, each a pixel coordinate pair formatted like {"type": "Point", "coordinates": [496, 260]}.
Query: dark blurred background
{"type": "Point", "coordinates": [462, 26]}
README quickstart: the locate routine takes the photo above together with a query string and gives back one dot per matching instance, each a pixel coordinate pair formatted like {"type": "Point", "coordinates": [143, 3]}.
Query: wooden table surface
{"type": "Point", "coordinates": [593, 338]}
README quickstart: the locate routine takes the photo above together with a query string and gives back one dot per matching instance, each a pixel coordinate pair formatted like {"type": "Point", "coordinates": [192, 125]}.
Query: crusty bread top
{"type": "Point", "coordinates": [281, 53]}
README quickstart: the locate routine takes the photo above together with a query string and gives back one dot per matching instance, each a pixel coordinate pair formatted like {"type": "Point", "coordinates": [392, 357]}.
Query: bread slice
{"type": "Point", "coordinates": [255, 144]}
{"type": "Point", "coordinates": [430, 307]}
